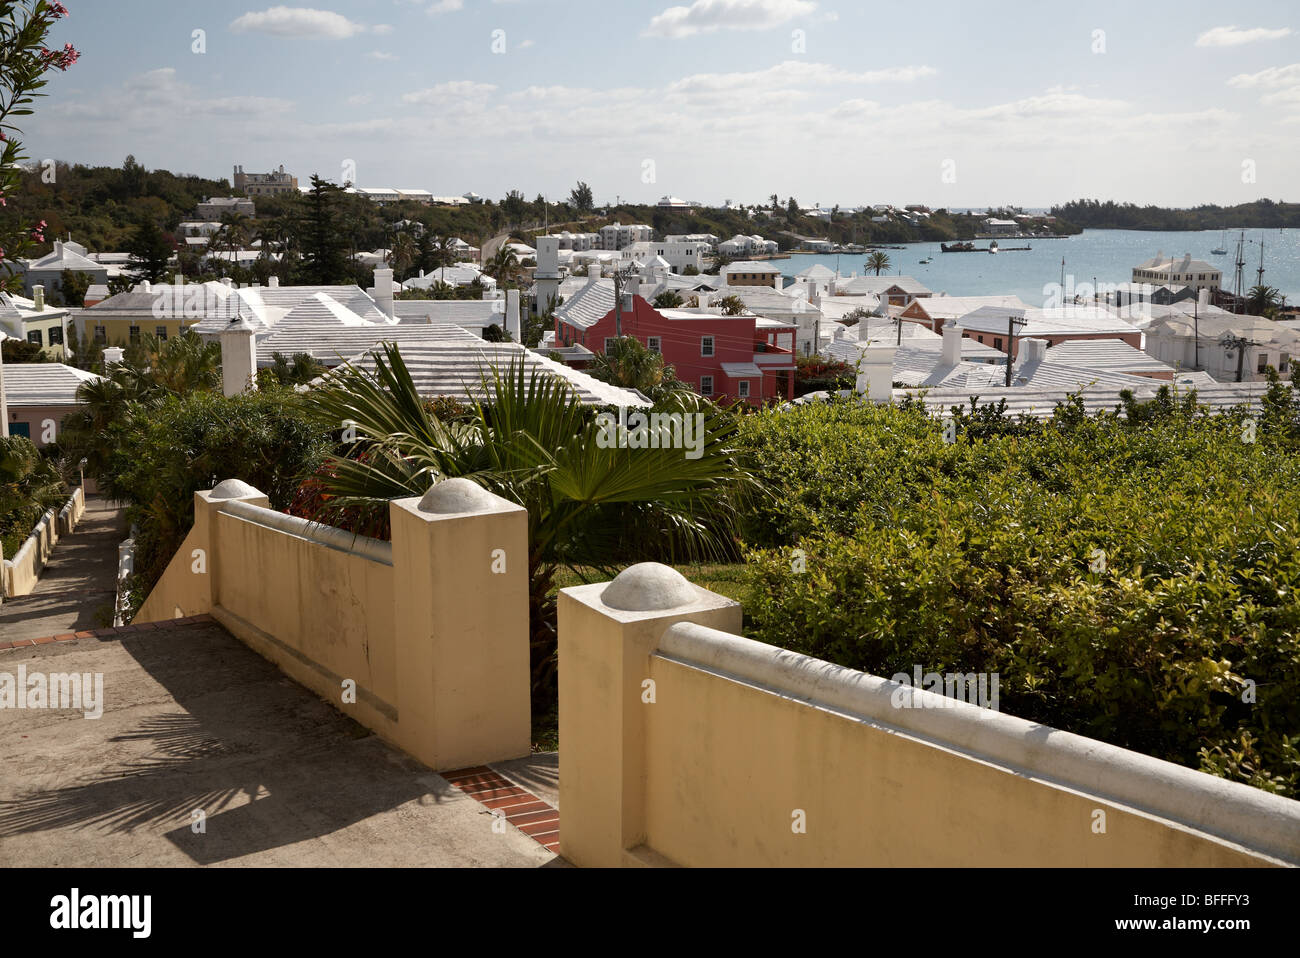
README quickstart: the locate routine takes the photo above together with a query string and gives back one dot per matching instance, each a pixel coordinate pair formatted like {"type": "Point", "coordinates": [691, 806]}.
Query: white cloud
{"type": "Point", "coordinates": [525, 44]}
{"type": "Point", "coordinates": [452, 91]}
{"type": "Point", "coordinates": [382, 29]}
{"type": "Point", "coordinates": [1234, 37]}
{"type": "Point", "coordinates": [382, 55]}
{"type": "Point", "coordinates": [358, 99]}
{"type": "Point", "coordinates": [1270, 79]}
{"type": "Point", "coordinates": [791, 73]}
{"type": "Point", "coordinates": [297, 22]}
{"type": "Point", "coordinates": [710, 16]}
{"type": "Point", "coordinates": [446, 6]}
{"type": "Point", "coordinates": [1286, 97]}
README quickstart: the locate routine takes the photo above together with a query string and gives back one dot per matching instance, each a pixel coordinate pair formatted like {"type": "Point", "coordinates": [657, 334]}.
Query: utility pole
{"type": "Point", "coordinates": [1012, 322]}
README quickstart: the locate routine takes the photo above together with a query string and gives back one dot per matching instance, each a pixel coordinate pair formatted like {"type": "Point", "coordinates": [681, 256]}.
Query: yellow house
{"type": "Point", "coordinates": [32, 320]}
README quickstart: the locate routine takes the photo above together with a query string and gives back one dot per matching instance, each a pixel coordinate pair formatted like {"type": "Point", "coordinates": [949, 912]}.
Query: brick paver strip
{"type": "Point", "coordinates": [120, 630]}
{"type": "Point", "coordinates": [521, 808]}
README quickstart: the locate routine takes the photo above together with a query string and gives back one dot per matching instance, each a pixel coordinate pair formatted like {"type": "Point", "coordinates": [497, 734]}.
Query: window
{"type": "Point", "coordinates": [56, 335]}
{"type": "Point", "coordinates": [1262, 364]}
{"type": "Point", "coordinates": [706, 345]}
{"type": "Point", "coordinates": [609, 343]}
{"type": "Point", "coordinates": [133, 333]}
{"type": "Point", "coordinates": [161, 333]}
{"type": "Point", "coordinates": [706, 385]}
{"type": "Point", "coordinates": [997, 342]}
{"type": "Point", "coordinates": [742, 388]}
{"type": "Point", "coordinates": [101, 336]}
{"type": "Point", "coordinates": [1284, 363]}
{"type": "Point", "coordinates": [653, 345]}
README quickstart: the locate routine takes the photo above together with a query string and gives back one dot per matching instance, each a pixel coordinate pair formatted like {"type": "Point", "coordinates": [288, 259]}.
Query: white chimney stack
{"type": "Point", "coordinates": [593, 273]}
{"type": "Point", "coordinates": [273, 282]}
{"type": "Point", "coordinates": [512, 320]}
{"type": "Point", "coordinates": [1203, 297]}
{"type": "Point", "coordinates": [383, 292]}
{"type": "Point", "coordinates": [876, 373]}
{"type": "Point", "coordinates": [238, 358]}
{"type": "Point", "coordinates": [112, 356]}
{"type": "Point", "coordinates": [952, 338]}
{"type": "Point", "coordinates": [38, 297]}
{"type": "Point", "coordinates": [1034, 350]}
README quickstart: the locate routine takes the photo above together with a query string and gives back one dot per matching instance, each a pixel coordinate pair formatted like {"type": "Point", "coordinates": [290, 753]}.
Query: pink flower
{"type": "Point", "coordinates": [58, 10]}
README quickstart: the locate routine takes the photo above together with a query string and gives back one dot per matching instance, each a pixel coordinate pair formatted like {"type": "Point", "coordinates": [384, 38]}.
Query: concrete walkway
{"type": "Point", "coordinates": [77, 587]}
{"type": "Point", "coordinates": [206, 754]}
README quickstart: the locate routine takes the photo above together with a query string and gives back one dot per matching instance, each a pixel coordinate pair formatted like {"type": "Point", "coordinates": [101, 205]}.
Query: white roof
{"type": "Point", "coordinates": [878, 284]}
{"type": "Point", "coordinates": [749, 266]}
{"type": "Point", "coordinates": [1080, 320]}
{"type": "Point", "coordinates": [453, 366]}
{"type": "Point", "coordinates": [741, 370]}
{"type": "Point", "coordinates": [587, 306]}
{"type": "Point", "coordinates": [954, 307]}
{"type": "Point", "coordinates": [43, 384]}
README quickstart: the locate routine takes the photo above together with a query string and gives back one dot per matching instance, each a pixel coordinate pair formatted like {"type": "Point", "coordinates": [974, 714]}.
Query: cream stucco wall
{"type": "Point", "coordinates": [686, 744]}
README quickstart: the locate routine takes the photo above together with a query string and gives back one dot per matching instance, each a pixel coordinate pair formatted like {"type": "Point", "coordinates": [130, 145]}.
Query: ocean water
{"type": "Point", "coordinates": [1108, 256]}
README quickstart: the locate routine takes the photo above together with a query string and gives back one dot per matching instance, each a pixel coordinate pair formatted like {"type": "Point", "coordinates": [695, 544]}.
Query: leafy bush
{"type": "Point", "coordinates": [29, 485]}
{"type": "Point", "coordinates": [1131, 577]}
{"type": "Point", "coordinates": [165, 452]}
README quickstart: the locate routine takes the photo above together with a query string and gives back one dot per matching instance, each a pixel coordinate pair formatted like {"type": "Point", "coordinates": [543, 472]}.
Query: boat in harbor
{"type": "Point", "coordinates": [1220, 251]}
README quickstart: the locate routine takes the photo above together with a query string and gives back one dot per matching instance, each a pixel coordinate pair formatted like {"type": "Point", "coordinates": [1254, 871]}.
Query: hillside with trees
{"type": "Point", "coordinates": [1261, 214]}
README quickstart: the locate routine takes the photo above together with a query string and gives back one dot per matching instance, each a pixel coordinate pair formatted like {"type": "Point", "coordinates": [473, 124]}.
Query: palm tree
{"type": "Point", "coordinates": [878, 261]}
{"type": "Point", "coordinates": [29, 484]}
{"type": "Point", "coordinates": [631, 365]}
{"type": "Point", "coordinates": [403, 254]}
{"type": "Point", "coordinates": [1264, 301]}
{"type": "Point", "coordinates": [668, 299]}
{"type": "Point", "coordinates": [530, 440]}
{"type": "Point", "coordinates": [503, 266]}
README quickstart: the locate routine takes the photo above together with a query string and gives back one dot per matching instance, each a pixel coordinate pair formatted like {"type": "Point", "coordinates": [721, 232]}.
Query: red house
{"type": "Point", "coordinates": [748, 358]}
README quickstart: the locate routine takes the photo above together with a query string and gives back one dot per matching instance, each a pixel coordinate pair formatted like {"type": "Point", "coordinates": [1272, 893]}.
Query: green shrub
{"type": "Point", "coordinates": [980, 555]}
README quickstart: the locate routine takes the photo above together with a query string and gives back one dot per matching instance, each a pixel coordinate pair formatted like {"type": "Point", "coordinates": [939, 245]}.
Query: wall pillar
{"type": "Point", "coordinates": [607, 633]}
{"type": "Point", "coordinates": [460, 568]}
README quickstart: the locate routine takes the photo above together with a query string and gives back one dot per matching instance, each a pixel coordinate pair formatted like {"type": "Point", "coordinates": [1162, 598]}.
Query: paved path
{"type": "Point", "coordinates": [76, 589]}
{"type": "Point", "coordinates": [194, 721]}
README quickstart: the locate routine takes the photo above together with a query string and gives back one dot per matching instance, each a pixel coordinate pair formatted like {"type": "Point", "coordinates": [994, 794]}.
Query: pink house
{"type": "Point", "coordinates": [746, 358]}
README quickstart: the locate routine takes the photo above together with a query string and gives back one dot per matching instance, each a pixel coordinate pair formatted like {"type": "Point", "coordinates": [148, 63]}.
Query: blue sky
{"type": "Point", "coordinates": [946, 103]}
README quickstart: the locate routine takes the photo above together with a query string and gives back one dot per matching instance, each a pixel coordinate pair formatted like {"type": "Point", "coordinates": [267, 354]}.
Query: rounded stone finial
{"type": "Point", "coordinates": [233, 489]}
{"type": "Point", "coordinates": [453, 496]}
{"type": "Point", "coordinates": [648, 587]}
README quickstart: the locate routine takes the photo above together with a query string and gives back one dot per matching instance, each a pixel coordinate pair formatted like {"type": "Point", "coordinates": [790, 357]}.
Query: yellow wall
{"type": "Point", "coordinates": [728, 765]}
{"type": "Point", "coordinates": [118, 331]}
{"type": "Point", "coordinates": [685, 744]}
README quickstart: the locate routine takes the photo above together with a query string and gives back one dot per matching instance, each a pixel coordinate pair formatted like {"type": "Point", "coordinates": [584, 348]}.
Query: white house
{"type": "Point", "coordinates": [1164, 270]}
{"type": "Point", "coordinates": [677, 255]}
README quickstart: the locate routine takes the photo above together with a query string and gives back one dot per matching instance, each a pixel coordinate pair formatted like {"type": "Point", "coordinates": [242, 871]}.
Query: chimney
{"type": "Point", "coordinates": [512, 319]}
{"type": "Point", "coordinates": [273, 282]}
{"type": "Point", "coordinates": [1203, 297]}
{"type": "Point", "coordinates": [876, 373]}
{"type": "Point", "coordinates": [58, 247]}
{"type": "Point", "coordinates": [227, 282]}
{"type": "Point", "coordinates": [238, 358]}
{"type": "Point", "coordinates": [1033, 350]}
{"type": "Point", "coordinates": [593, 273]}
{"type": "Point", "coordinates": [112, 356]}
{"type": "Point", "coordinates": [383, 293]}
{"type": "Point", "coordinates": [951, 343]}
{"type": "Point", "coordinates": [146, 286]}
{"type": "Point", "coordinates": [38, 297]}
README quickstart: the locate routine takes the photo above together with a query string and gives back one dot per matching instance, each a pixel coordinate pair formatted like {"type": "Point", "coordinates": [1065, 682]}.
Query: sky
{"type": "Point", "coordinates": [943, 102]}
